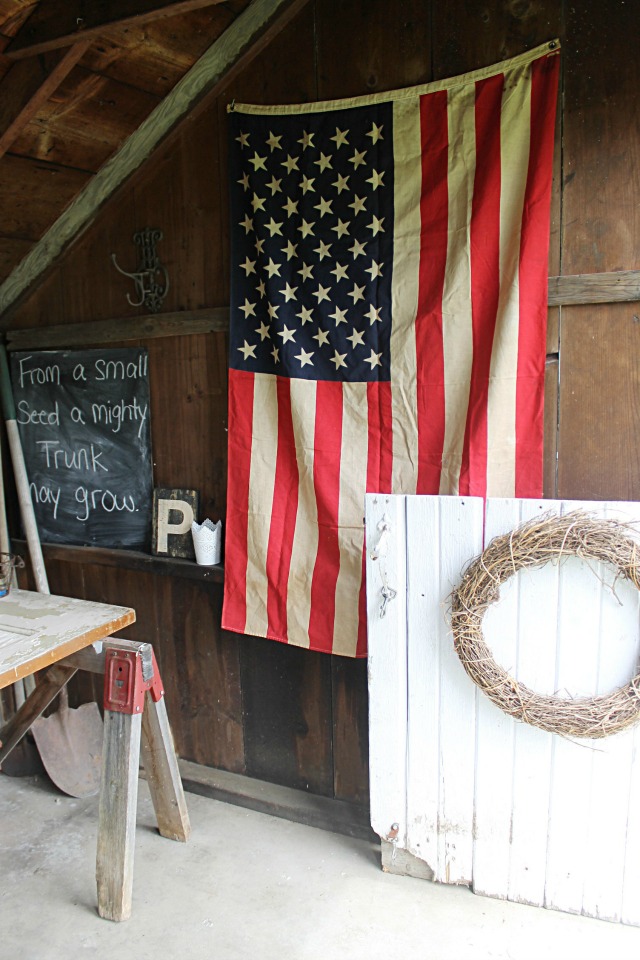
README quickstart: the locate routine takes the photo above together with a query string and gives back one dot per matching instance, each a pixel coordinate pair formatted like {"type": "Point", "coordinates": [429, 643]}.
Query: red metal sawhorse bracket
{"type": "Point", "coordinates": [128, 675]}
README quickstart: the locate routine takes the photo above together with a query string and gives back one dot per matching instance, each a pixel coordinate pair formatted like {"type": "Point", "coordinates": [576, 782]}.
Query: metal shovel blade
{"type": "Point", "coordinates": [70, 746]}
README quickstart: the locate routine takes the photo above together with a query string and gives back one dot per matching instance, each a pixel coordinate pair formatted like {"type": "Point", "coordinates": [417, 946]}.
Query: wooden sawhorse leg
{"type": "Point", "coordinates": [134, 708]}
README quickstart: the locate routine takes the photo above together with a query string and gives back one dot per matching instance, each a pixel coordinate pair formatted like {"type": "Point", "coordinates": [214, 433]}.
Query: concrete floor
{"type": "Point", "coordinates": [251, 887]}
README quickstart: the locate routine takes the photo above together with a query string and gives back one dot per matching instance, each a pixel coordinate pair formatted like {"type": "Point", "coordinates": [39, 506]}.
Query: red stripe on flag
{"type": "Point", "coordinates": [283, 516]}
{"type": "Point", "coordinates": [533, 267]}
{"type": "Point", "coordinates": [484, 243]}
{"type": "Point", "coordinates": [380, 441]}
{"type": "Point", "coordinates": [434, 224]}
{"type": "Point", "coordinates": [234, 612]}
{"type": "Point", "coordinates": [326, 481]}
{"type": "Point", "coordinates": [379, 467]}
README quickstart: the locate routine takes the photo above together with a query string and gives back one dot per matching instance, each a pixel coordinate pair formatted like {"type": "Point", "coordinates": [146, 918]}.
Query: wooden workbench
{"type": "Point", "coordinates": [57, 636]}
{"type": "Point", "coordinates": [39, 629]}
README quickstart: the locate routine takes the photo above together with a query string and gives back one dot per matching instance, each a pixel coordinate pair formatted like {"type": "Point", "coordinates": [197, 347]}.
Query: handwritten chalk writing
{"type": "Point", "coordinates": [94, 499]}
{"type": "Point", "coordinates": [41, 417]}
{"type": "Point", "coordinates": [119, 370]}
{"type": "Point", "coordinates": [45, 494]}
{"type": "Point", "coordinates": [115, 414]}
{"type": "Point", "coordinates": [82, 459]}
{"type": "Point", "coordinates": [84, 421]}
{"type": "Point", "coordinates": [37, 375]}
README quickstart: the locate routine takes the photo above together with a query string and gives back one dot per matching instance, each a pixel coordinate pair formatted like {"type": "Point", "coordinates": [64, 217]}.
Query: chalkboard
{"type": "Point", "coordinates": [83, 418]}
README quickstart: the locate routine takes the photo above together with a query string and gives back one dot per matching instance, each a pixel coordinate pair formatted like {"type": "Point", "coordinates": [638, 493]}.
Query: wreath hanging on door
{"type": "Point", "coordinates": [546, 539]}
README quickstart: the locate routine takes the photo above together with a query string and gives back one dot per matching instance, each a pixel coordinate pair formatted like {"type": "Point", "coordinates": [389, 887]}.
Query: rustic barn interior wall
{"type": "Point", "coordinates": [253, 706]}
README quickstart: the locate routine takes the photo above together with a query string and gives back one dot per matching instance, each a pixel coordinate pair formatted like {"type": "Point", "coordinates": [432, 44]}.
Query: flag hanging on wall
{"type": "Point", "coordinates": [388, 319]}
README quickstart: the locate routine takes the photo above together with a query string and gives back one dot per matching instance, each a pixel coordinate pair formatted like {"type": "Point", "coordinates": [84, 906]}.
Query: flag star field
{"type": "Point", "coordinates": [313, 251]}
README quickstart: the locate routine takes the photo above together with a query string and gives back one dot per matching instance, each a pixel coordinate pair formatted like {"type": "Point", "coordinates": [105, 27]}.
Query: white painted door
{"type": "Point", "coordinates": [513, 811]}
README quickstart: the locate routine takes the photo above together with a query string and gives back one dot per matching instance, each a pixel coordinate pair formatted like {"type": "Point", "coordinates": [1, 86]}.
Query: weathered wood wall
{"type": "Point", "coordinates": [254, 706]}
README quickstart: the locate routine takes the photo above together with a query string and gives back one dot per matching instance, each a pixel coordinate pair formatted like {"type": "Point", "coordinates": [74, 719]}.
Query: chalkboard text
{"type": "Point", "coordinates": [84, 424]}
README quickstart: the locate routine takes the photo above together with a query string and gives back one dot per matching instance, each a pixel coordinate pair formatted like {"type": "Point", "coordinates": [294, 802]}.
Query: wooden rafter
{"type": "Point", "coordinates": [28, 85]}
{"type": "Point", "coordinates": [247, 36]}
{"type": "Point", "coordinates": [58, 23]}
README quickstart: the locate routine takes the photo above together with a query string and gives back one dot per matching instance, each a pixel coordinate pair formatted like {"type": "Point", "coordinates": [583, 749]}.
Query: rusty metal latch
{"type": "Point", "coordinates": [392, 838]}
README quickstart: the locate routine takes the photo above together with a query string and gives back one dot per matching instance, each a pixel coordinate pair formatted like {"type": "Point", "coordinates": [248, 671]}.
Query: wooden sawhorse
{"type": "Point", "coordinates": [135, 717]}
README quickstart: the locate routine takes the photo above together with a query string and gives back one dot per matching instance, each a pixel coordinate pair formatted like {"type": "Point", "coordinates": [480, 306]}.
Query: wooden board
{"type": "Point", "coordinates": [388, 641]}
{"type": "Point", "coordinates": [469, 36]}
{"type": "Point", "coordinates": [199, 665]}
{"type": "Point", "coordinates": [31, 194]}
{"type": "Point", "coordinates": [12, 250]}
{"type": "Point", "coordinates": [286, 694]}
{"type": "Point", "coordinates": [190, 391]}
{"type": "Point", "coordinates": [59, 23]}
{"type": "Point", "coordinates": [508, 788]}
{"type": "Point", "coordinates": [166, 57]}
{"type": "Point", "coordinates": [249, 33]}
{"type": "Point", "coordinates": [550, 481]}
{"type": "Point", "coordinates": [601, 141]}
{"type": "Point", "coordinates": [38, 629]}
{"type": "Point", "coordinates": [442, 534]}
{"type": "Point", "coordinates": [615, 286]}
{"type": "Point", "coordinates": [355, 59]}
{"type": "Point", "coordinates": [520, 813]}
{"type": "Point", "coordinates": [598, 456]}
{"type": "Point", "coordinates": [350, 729]}
{"type": "Point", "coordinates": [165, 538]}
{"type": "Point", "coordinates": [84, 102]}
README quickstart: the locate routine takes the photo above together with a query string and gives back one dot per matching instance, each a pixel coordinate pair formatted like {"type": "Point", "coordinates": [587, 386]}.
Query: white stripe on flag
{"type": "Point", "coordinates": [264, 448]}
{"type": "Point", "coordinates": [501, 409]}
{"type": "Point", "coordinates": [404, 294]}
{"type": "Point", "coordinates": [305, 538]}
{"type": "Point", "coordinates": [353, 483]}
{"type": "Point", "coordinates": [457, 327]}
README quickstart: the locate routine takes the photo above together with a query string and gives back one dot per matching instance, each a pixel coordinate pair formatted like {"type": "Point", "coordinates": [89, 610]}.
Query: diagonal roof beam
{"type": "Point", "coordinates": [58, 23]}
{"type": "Point", "coordinates": [240, 42]}
{"type": "Point", "coordinates": [28, 85]}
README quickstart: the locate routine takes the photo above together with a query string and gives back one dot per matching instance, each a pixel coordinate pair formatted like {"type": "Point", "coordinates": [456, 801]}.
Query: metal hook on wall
{"type": "Point", "coordinates": [151, 277]}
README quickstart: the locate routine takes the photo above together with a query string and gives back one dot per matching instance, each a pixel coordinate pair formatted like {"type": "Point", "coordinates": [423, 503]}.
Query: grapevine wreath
{"type": "Point", "coordinates": [546, 539]}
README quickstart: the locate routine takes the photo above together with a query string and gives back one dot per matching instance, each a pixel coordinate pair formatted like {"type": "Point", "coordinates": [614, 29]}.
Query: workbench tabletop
{"type": "Point", "coordinates": [38, 629]}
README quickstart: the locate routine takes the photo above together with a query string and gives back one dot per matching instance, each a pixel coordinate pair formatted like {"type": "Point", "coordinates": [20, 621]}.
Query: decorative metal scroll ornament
{"type": "Point", "coordinates": [151, 277]}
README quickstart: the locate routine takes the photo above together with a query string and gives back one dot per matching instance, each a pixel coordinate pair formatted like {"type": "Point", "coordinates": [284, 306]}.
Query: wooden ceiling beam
{"type": "Point", "coordinates": [28, 85]}
{"type": "Point", "coordinates": [250, 33]}
{"type": "Point", "coordinates": [58, 23]}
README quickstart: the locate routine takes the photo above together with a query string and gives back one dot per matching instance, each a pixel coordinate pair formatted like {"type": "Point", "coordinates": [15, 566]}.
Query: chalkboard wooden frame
{"type": "Point", "coordinates": [83, 418]}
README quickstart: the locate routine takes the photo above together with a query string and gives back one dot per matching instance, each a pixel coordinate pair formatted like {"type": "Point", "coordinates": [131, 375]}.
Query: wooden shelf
{"type": "Point", "coordinates": [126, 559]}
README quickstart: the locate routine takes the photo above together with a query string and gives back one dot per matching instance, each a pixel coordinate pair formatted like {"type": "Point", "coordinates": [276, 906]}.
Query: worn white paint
{"type": "Point", "coordinates": [516, 812]}
{"type": "Point", "coordinates": [441, 699]}
{"type": "Point", "coordinates": [38, 629]}
{"type": "Point", "coordinates": [386, 571]}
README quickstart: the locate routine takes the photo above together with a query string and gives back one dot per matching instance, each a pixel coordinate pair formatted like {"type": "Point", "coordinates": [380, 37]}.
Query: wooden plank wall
{"type": "Point", "coordinates": [254, 706]}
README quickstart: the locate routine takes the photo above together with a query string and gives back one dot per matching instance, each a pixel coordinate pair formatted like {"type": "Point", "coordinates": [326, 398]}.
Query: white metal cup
{"type": "Point", "coordinates": [207, 542]}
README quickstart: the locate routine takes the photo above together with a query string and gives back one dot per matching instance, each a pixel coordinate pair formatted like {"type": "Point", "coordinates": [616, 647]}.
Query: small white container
{"type": "Point", "coordinates": [207, 542]}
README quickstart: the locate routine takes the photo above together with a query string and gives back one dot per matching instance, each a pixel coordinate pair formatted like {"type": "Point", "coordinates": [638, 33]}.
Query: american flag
{"type": "Point", "coordinates": [388, 316]}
